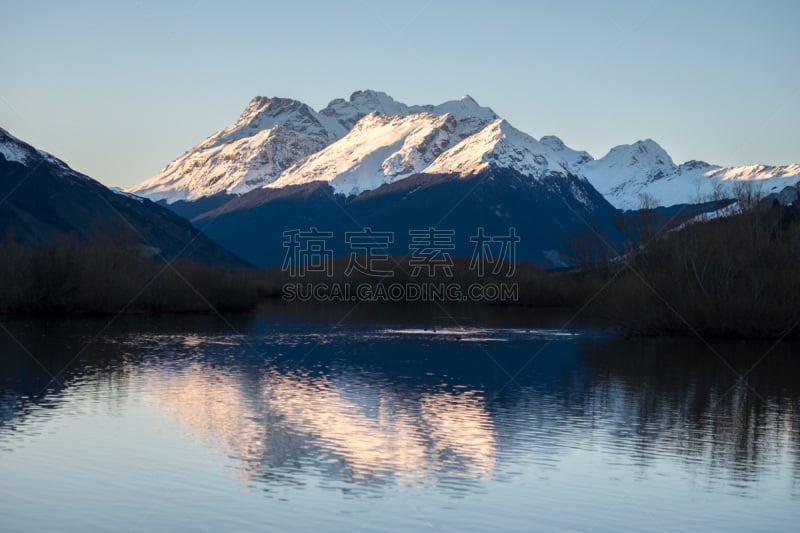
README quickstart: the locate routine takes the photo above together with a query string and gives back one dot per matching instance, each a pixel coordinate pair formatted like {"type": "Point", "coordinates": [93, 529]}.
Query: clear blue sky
{"type": "Point", "coordinates": [119, 89]}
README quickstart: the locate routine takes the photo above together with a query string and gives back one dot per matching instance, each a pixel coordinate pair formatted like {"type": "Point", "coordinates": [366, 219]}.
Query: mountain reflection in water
{"type": "Point", "coordinates": [387, 404]}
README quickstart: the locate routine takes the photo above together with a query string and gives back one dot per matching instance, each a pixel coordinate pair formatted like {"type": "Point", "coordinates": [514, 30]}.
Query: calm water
{"type": "Point", "coordinates": [390, 419]}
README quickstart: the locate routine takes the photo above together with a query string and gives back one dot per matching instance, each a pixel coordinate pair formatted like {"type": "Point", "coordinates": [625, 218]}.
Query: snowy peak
{"type": "Point", "coordinates": [641, 154]}
{"type": "Point", "coordinates": [464, 107]}
{"type": "Point", "coordinates": [262, 106]}
{"type": "Point", "coordinates": [281, 141]}
{"type": "Point", "coordinates": [382, 149]}
{"type": "Point", "coordinates": [574, 157]}
{"type": "Point", "coordinates": [377, 101]}
{"type": "Point", "coordinates": [273, 134]}
{"type": "Point", "coordinates": [270, 135]}
{"type": "Point", "coordinates": [390, 142]}
{"type": "Point", "coordinates": [499, 145]}
{"type": "Point", "coordinates": [379, 149]}
{"type": "Point", "coordinates": [628, 172]}
{"type": "Point", "coordinates": [471, 116]}
{"type": "Point", "coordinates": [264, 113]}
{"type": "Point", "coordinates": [361, 103]}
{"type": "Point", "coordinates": [627, 168]}
{"type": "Point", "coordinates": [697, 181]}
{"type": "Point", "coordinates": [694, 166]}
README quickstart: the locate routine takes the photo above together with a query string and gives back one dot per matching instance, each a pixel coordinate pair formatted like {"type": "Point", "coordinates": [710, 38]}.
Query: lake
{"type": "Point", "coordinates": [371, 418]}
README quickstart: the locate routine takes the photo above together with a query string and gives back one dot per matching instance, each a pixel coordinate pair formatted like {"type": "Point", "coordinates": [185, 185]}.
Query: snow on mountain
{"type": "Point", "coordinates": [628, 172]}
{"type": "Point", "coordinates": [269, 136]}
{"type": "Point", "coordinates": [382, 149]}
{"type": "Point", "coordinates": [575, 158]}
{"type": "Point", "coordinates": [499, 145]}
{"type": "Point", "coordinates": [628, 166]}
{"type": "Point", "coordinates": [279, 141]}
{"type": "Point", "coordinates": [464, 108]}
{"type": "Point", "coordinates": [14, 150]}
{"type": "Point", "coordinates": [265, 113]}
{"type": "Point", "coordinates": [702, 182]}
{"type": "Point", "coordinates": [273, 134]}
{"type": "Point", "coordinates": [361, 103]}
{"type": "Point", "coordinates": [471, 116]}
{"type": "Point", "coordinates": [379, 149]}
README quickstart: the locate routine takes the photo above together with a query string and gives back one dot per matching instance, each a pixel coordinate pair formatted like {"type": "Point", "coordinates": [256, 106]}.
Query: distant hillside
{"type": "Point", "coordinates": [42, 200]}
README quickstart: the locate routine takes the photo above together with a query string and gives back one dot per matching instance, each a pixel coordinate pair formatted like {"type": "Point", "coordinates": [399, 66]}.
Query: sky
{"type": "Point", "coordinates": [120, 89]}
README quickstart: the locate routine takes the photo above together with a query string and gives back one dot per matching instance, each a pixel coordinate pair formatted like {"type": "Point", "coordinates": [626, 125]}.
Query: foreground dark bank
{"type": "Point", "coordinates": [104, 276]}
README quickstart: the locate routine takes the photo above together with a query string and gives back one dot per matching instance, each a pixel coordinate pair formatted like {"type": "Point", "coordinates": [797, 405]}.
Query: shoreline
{"type": "Point", "coordinates": [503, 314]}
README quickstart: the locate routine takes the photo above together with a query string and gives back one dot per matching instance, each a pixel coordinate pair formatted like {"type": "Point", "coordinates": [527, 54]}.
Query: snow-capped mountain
{"type": "Point", "coordinates": [642, 162]}
{"type": "Point", "coordinates": [379, 149]}
{"type": "Point", "coordinates": [575, 158]}
{"type": "Point", "coordinates": [271, 135]}
{"type": "Point", "coordinates": [400, 173]}
{"type": "Point", "coordinates": [274, 134]}
{"type": "Point", "coordinates": [499, 145]}
{"type": "Point", "coordinates": [382, 149]}
{"type": "Point", "coordinates": [630, 171]}
{"type": "Point", "coordinates": [696, 181]}
{"type": "Point", "coordinates": [361, 103]}
{"type": "Point", "coordinates": [471, 116]}
{"type": "Point", "coordinates": [371, 139]}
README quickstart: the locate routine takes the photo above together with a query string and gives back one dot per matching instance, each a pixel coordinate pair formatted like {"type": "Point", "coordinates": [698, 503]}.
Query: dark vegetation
{"type": "Point", "coordinates": [734, 276]}
{"type": "Point", "coordinates": [69, 244]}
{"type": "Point", "coordinates": [537, 287]}
{"type": "Point", "coordinates": [105, 276]}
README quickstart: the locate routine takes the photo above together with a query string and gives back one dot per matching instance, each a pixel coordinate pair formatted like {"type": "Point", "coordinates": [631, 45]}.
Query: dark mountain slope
{"type": "Point", "coordinates": [543, 211]}
{"type": "Point", "coordinates": [42, 199]}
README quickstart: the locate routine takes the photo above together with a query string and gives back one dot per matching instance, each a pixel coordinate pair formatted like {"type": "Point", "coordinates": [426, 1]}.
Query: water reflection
{"type": "Point", "coordinates": [211, 405]}
{"type": "Point", "coordinates": [364, 430]}
{"type": "Point", "coordinates": [396, 404]}
{"type": "Point", "coordinates": [714, 412]}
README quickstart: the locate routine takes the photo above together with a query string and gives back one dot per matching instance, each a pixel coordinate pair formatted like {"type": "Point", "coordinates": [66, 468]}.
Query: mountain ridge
{"type": "Point", "coordinates": [254, 151]}
{"type": "Point", "coordinates": [278, 142]}
{"type": "Point", "coordinates": [44, 200]}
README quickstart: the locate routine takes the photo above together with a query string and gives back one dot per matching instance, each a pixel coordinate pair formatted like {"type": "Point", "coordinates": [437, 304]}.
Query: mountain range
{"type": "Point", "coordinates": [368, 161]}
{"type": "Point", "coordinates": [370, 140]}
